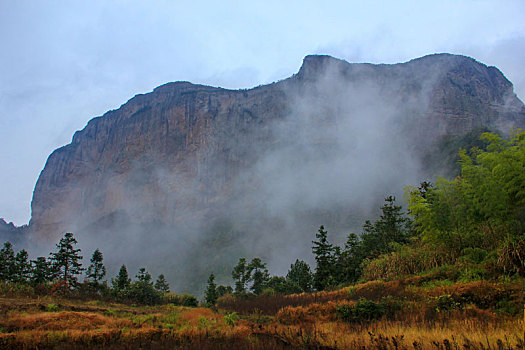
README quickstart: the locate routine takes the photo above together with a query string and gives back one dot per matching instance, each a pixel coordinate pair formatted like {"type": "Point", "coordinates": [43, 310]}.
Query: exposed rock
{"type": "Point", "coordinates": [177, 152]}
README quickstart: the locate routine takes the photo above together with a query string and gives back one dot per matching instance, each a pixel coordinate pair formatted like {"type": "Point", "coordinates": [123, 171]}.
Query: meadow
{"type": "Point", "coordinates": [414, 313]}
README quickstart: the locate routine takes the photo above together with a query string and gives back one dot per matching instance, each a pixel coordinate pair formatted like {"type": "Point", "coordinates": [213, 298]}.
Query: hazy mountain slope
{"type": "Point", "coordinates": [265, 165]}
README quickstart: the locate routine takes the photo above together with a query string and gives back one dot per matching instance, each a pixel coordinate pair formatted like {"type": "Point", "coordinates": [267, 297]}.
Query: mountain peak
{"type": "Point", "coordinates": [314, 64]}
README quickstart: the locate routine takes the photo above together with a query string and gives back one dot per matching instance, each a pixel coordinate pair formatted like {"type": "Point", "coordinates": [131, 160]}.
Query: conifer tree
{"type": "Point", "coordinates": [41, 271]}
{"type": "Point", "coordinates": [323, 251]}
{"type": "Point", "coordinates": [22, 267]}
{"type": "Point", "coordinates": [258, 274]}
{"type": "Point", "coordinates": [122, 281]}
{"type": "Point", "coordinates": [67, 260]}
{"type": "Point", "coordinates": [211, 294]}
{"type": "Point", "coordinates": [222, 290]}
{"type": "Point", "coordinates": [96, 270]}
{"type": "Point", "coordinates": [7, 262]}
{"type": "Point", "coordinates": [161, 284]}
{"type": "Point", "coordinates": [241, 275]}
{"type": "Point", "coordinates": [301, 275]}
{"type": "Point", "coordinates": [143, 276]}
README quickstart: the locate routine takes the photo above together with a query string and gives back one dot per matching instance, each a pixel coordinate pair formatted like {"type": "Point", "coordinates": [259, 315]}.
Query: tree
{"type": "Point", "coordinates": [258, 274]}
{"type": "Point", "coordinates": [122, 281]}
{"type": "Point", "coordinates": [96, 270]}
{"type": "Point", "coordinates": [66, 260]}
{"type": "Point", "coordinates": [22, 267]}
{"type": "Point", "coordinates": [211, 295]}
{"type": "Point", "coordinates": [7, 262]}
{"type": "Point", "coordinates": [222, 290]}
{"type": "Point", "coordinates": [301, 275]}
{"type": "Point", "coordinates": [241, 276]}
{"type": "Point", "coordinates": [484, 207]}
{"type": "Point", "coordinates": [41, 271]}
{"type": "Point", "coordinates": [142, 290]}
{"type": "Point", "coordinates": [323, 251]}
{"type": "Point", "coordinates": [143, 276]}
{"type": "Point", "coordinates": [351, 258]}
{"type": "Point", "coordinates": [161, 284]}
{"type": "Point", "coordinates": [283, 285]}
{"type": "Point", "coordinates": [392, 227]}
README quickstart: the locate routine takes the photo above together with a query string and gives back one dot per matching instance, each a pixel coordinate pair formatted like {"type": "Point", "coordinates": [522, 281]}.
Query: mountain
{"type": "Point", "coordinates": [189, 166]}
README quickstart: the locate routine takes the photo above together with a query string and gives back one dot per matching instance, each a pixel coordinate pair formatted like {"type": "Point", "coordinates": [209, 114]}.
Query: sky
{"type": "Point", "coordinates": [65, 62]}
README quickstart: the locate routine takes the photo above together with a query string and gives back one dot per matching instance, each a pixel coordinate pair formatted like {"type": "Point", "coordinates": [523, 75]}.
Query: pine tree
{"type": "Point", "coordinates": [41, 271]}
{"type": "Point", "coordinates": [222, 290]}
{"type": "Point", "coordinates": [161, 284]}
{"type": "Point", "coordinates": [301, 275]}
{"type": "Point", "coordinates": [211, 294]}
{"type": "Point", "coordinates": [7, 263]}
{"type": "Point", "coordinates": [22, 267]}
{"type": "Point", "coordinates": [122, 281]}
{"type": "Point", "coordinates": [241, 275]}
{"type": "Point", "coordinates": [67, 261]}
{"type": "Point", "coordinates": [258, 274]}
{"type": "Point", "coordinates": [351, 259]}
{"type": "Point", "coordinates": [392, 227]}
{"type": "Point", "coordinates": [324, 258]}
{"type": "Point", "coordinates": [96, 270]}
{"type": "Point", "coordinates": [143, 276]}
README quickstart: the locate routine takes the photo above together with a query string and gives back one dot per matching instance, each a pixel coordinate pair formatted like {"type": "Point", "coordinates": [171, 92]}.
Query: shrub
{"type": "Point", "coordinates": [446, 302]}
{"type": "Point", "coordinates": [230, 319]}
{"type": "Point", "coordinates": [181, 299]}
{"type": "Point", "coordinates": [362, 311]}
{"type": "Point", "coordinates": [405, 261]}
{"type": "Point", "coordinates": [143, 293]}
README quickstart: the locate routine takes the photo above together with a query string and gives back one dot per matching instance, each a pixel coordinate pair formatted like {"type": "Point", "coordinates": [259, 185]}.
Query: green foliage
{"type": "Point", "coordinates": [300, 275]}
{"type": "Point", "coordinates": [241, 276]}
{"type": "Point", "coordinates": [66, 261]}
{"type": "Point", "coordinates": [406, 260]}
{"type": "Point", "coordinates": [181, 299]}
{"type": "Point", "coordinates": [143, 292]}
{"type": "Point", "coordinates": [52, 308]}
{"type": "Point", "coordinates": [22, 267]}
{"type": "Point", "coordinates": [230, 319]}
{"type": "Point", "coordinates": [324, 257]}
{"type": "Point", "coordinates": [144, 276]}
{"type": "Point", "coordinates": [392, 227]}
{"type": "Point", "coordinates": [96, 270]}
{"type": "Point", "coordinates": [281, 285]}
{"type": "Point", "coordinates": [446, 302]}
{"type": "Point", "coordinates": [222, 290]}
{"type": "Point", "coordinates": [482, 208]}
{"type": "Point", "coordinates": [161, 284]}
{"type": "Point", "coordinates": [122, 281]}
{"type": "Point", "coordinates": [258, 275]}
{"type": "Point", "coordinates": [7, 263]}
{"type": "Point", "coordinates": [473, 255]}
{"type": "Point", "coordinates": [211, 294]}
{"type": "Point", "coordinates": [363, 311]}
{"type": "Point", "coordinates": [41, 272]}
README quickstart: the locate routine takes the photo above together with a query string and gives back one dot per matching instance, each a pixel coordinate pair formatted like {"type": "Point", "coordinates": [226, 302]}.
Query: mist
{"type": "Point", "coordinates": [347, 137]}
{"type": "Point", "coordinates": [341, 147]}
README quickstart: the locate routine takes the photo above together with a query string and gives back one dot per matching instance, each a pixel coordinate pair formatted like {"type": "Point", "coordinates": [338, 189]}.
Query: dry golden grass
{"type": "Point", "coordinates": [307, 321]}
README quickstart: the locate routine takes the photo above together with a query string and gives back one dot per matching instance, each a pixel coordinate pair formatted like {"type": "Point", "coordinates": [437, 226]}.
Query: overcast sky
{"type": "Point", "coordinates": [65, 62]}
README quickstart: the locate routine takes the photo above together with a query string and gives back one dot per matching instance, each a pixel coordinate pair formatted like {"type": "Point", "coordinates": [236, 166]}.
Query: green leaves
{"type": "Point", "coordinates": [482, 207]}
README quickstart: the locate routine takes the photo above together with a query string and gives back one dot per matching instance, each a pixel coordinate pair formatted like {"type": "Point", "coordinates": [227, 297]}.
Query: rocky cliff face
{"type": "Point", "coordinates": [188, 151]}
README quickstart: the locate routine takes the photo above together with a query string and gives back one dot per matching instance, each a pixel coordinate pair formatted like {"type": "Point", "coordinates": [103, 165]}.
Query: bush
{"type": "Point", "coordinates": [143, 293]}
{"type": "Point", "coordinates": [362, 311]}
{"type": "Point", "coordinates": [181, 300]}
{"type": "Point", "coordinates": [405, 261]}
{"type": "Point", "coordinates": [446, 302]}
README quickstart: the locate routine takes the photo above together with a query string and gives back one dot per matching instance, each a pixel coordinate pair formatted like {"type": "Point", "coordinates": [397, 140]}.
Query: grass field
{"type": "Point", "coordinates": [414, 316]}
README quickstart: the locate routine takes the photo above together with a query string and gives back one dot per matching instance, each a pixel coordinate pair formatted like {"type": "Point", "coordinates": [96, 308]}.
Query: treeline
{"type": "Point", "coordinates": [472, 226]}
{"type": "Point", "coordinates": [59, 273]}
